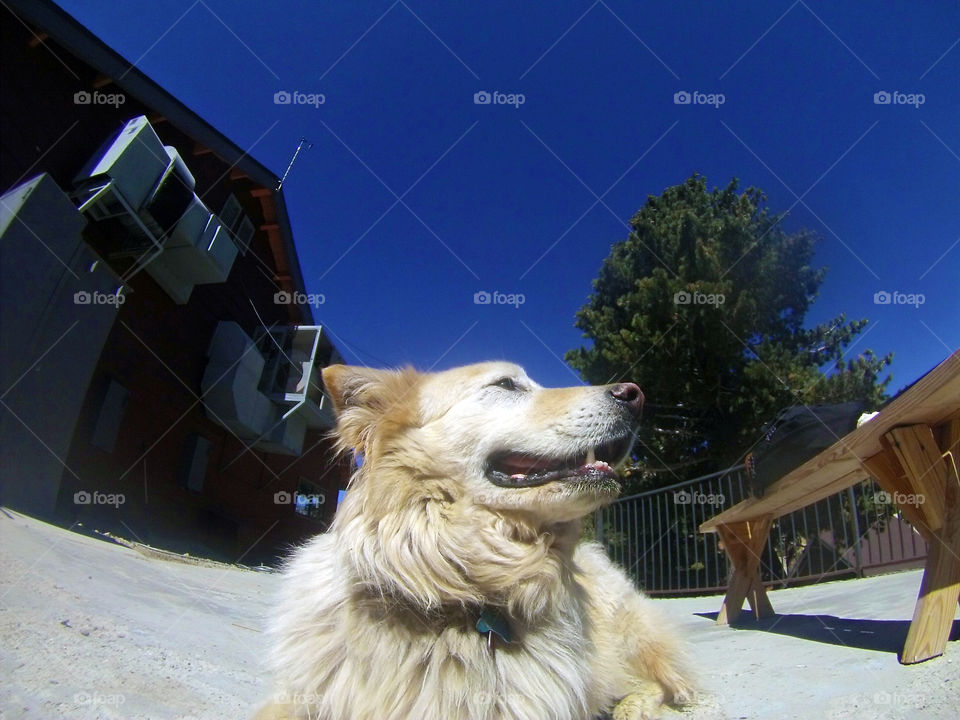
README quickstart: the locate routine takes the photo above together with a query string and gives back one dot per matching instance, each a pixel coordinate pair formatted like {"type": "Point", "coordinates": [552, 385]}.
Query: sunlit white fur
{"type": "Point", "coordinates": [376, 618]}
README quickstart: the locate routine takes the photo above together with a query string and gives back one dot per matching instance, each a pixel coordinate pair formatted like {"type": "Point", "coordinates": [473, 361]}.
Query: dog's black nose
{"type": "Point", "coordinates": [630, 395]}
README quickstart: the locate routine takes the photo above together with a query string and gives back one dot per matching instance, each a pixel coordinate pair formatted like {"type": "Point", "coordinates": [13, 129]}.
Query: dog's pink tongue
{"type": "Point", "coordinates": [522, 465]}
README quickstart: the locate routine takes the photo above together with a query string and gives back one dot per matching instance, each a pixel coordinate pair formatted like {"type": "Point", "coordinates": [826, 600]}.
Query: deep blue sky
{"type": "Point", "coordinates": [497, 186]}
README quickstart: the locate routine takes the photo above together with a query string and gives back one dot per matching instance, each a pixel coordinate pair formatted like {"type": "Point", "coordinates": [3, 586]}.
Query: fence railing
{"type": "Point", "coordinates": [654, 536]}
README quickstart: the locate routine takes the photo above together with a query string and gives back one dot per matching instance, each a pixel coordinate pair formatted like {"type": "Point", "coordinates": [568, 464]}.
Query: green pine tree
{"type": "Point", "coordinates": [703, 305]}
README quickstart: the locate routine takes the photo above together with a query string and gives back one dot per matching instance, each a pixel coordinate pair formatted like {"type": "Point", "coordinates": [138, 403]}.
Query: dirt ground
{"type": "Point", "coordinates": [91, 629]}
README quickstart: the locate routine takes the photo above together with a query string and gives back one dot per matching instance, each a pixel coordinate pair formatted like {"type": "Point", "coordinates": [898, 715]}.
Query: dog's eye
{"type": "Point", "coordinates": [506, 383]}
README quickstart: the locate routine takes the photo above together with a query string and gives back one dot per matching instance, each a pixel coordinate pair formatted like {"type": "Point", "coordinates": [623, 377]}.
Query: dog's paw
{"type": "Point", "coordinates": [678, 691]}
{"type": "Point", "coordinates": [644, 704]}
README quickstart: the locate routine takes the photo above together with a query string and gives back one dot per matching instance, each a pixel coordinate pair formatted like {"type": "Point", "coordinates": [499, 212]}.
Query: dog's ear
{"type": "Point", "coordinates": [365, 398]}
{"type": "Point", "coordinates": [352, 386]}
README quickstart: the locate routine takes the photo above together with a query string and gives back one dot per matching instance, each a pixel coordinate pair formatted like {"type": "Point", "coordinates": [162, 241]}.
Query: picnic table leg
{"type": "Point", "coordinates": [744, 542]}
{"type": "Point", "coordinates": [929, 475]}
{"type": "Point", "coordinates": [758, 599]}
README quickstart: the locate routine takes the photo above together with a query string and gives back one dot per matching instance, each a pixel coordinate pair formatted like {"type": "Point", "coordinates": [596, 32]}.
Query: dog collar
{"type": "Point", "coordinates": [493, 622]}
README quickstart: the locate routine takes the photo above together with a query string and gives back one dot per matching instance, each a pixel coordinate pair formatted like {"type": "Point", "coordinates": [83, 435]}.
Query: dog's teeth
{"type": "Point", "coordinates": [591, 456]}
{"type": "Point", "coordinates": [518, 476]}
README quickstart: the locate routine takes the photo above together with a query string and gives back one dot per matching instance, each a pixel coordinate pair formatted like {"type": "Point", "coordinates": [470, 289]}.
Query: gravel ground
{"type": "Point", "coordinates": [90, 629]}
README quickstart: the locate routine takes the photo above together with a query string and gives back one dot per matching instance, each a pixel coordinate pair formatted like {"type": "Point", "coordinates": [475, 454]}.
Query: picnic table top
{"type": "Point", "coordinates": [930, 400]}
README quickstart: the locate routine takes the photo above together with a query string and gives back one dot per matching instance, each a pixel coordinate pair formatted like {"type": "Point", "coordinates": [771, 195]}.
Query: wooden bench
{"type": "Point", "coordinates": [911, 448]}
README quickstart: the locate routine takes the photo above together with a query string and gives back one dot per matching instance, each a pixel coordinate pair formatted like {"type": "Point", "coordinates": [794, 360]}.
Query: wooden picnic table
{"type": "Point", "coordinates": [912, 449]}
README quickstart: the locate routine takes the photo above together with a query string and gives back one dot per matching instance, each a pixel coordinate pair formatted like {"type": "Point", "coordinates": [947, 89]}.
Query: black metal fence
{"type": "Point", "coordinates": [654, 536]}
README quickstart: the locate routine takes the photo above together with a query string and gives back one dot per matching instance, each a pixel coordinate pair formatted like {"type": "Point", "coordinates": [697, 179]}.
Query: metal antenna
{"type": "Point", "coordinates": [293, 160]}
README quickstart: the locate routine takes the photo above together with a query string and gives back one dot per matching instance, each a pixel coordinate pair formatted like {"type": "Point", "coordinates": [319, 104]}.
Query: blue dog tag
{"type": "Point", "coordinates": [493, 621]}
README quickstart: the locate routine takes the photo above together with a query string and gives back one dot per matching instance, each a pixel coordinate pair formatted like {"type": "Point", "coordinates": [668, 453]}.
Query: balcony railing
{"type": "Point", "coordinates": [654, 536]}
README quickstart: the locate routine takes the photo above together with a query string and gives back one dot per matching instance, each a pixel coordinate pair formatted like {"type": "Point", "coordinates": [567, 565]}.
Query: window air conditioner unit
{"type": "Point", "coordinates": [229, 384]}
{"type": "Point", "coordinates": [131, 162]}
{"type": "Point", "coordinates": [166, 207]}
{"type": "Point", "coordinates": [268, 391]}
{"type": "Point", "coordinates": [191, 224]}
{"type": "Point", "coordinates": [218, 249]}
{"type": "Point", "coordinates": [208, 258]}
{"type": "Point", "coordinates": [291, 375]}
{"type": "Point", "coordinates": [172, 282]}
{"type": "Point", "coordinates": [139, 186]}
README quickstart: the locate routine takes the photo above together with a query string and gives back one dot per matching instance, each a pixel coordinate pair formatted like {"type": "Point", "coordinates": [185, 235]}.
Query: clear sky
{"type": "Point", "coordinates": [414, 197]}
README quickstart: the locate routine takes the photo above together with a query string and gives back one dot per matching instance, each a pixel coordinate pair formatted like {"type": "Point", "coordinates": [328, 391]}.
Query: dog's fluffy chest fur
{"type": "Point", "coordinates": [469, 496]}
{"type": "Point", "coordinates": [342, 651]}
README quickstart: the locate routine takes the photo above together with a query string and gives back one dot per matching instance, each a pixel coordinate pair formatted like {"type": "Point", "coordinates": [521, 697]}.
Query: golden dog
{"type": "Point", "coordinates": [452, 584]}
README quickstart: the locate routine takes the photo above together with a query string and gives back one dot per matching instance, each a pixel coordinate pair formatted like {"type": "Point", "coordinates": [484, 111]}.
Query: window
{"type": "Point", "coordinates": [309, 500]}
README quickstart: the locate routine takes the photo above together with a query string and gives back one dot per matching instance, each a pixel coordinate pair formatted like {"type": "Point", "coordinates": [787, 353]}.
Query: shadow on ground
{"type": "Point", "coordinates": [881, 635]}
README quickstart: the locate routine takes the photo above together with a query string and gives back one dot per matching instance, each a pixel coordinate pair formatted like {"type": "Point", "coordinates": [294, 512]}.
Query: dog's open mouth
{"type": "Point", "coordinates": [519, 469]}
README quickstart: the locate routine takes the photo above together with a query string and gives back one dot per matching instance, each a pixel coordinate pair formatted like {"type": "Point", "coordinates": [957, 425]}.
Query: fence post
{"type": "Point", "coordinates": [598, 525]}
{"type": "Point", "coordinates": [856, 531]}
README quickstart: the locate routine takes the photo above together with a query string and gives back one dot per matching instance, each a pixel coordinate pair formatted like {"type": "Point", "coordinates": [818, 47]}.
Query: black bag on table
{"type": "Point", "coordinates": [798, 434]}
